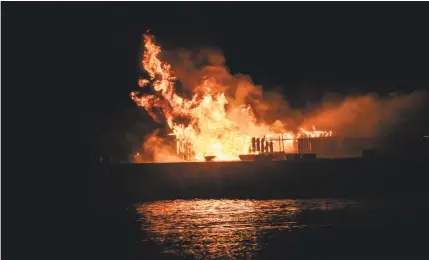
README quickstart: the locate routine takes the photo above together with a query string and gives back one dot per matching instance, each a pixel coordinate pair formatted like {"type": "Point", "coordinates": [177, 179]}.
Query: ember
{"type": "Point", "coordinates": [215, 126]}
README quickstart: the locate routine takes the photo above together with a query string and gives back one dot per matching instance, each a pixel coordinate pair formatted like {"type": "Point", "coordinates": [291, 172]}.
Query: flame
{"type": "Point", "coordinates": [206, 124]}
{"type": "Point", "coordinates": [314, 133]}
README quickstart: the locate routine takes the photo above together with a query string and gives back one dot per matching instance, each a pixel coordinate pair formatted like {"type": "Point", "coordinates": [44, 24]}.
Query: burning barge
{"type": "Point", "coordinates": [217, 123]}
{"type": "Point", "coordinates": [279, 148]}
{"type": "Point", "coordinates": [398, 175]}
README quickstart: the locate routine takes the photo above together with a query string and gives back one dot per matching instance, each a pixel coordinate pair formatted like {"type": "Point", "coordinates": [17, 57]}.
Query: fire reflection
{"type": "Point", "coordinates": [213, 229]}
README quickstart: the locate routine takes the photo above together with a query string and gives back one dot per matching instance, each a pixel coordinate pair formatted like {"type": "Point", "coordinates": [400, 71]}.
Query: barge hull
{"type": "Point", "coordinates": [319, 178]}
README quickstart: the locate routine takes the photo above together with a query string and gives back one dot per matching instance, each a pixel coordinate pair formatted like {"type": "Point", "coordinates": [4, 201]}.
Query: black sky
{"type": "Point", "coordinates": [329, 46]}
{"type": "Point", "coordinates": [68, 68]}
{"type": "Point", "coordinates": [84, 58]}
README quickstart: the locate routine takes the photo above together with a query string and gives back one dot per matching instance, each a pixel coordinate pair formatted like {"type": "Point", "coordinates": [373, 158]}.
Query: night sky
{"type": "Point", "coordinates": [84, 58]}
{"type": "Point", "coordinates": [68, 68]}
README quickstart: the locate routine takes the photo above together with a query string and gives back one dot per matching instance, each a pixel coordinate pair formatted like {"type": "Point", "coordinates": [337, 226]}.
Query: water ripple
{"type": "Point", "coordinates": [218, 229]}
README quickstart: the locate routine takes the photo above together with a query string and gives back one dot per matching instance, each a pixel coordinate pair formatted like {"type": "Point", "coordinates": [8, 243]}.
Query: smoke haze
{"type": "Point", "coordinates": [203, 74]}
{"type": "Point", "coordinates": [364, 115]}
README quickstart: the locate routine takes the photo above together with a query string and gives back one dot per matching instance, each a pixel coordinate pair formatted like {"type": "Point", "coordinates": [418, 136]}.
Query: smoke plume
{"type": "Point", "coordinates": [246, 109]}
{"type": "Point", "coordinates": [365, 115]}
{"type": "Point", "coordinates": [370, 115]}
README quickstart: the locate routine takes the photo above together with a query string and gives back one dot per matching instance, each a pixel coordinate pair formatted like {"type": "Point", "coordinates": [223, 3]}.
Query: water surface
{"type": "Point", "coordinates": [233, 229]}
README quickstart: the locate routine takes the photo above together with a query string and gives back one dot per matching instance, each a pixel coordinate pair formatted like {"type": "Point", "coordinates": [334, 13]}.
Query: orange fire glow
{"type": "Point", "coordinates": [207, 124]}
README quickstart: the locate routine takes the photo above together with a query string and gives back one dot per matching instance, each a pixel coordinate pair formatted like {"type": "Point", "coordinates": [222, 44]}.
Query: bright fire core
{"type": "Point", "coordinates": [217, 119]}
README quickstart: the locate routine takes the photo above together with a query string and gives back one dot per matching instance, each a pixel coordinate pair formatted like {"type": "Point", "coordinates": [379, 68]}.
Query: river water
{"type": "Point", "coordinates": [250, 229]}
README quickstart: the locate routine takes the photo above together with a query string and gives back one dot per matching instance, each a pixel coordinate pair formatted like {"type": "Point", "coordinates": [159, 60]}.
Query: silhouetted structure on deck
{"type": "Point", "coordinates": [342, 147]}
{"type": "Point", "coordinates": [282, 148]}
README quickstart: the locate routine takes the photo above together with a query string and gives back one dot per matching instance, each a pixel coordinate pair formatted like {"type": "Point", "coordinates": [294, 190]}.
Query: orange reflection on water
{"type": "Point", "coordinates": [213, 229]}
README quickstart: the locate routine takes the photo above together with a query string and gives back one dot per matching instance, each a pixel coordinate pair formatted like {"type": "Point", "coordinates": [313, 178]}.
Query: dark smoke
{"type": "Point", "coordinates": [364, 115]}
{"type": "Point", "coordinates": [371, 115]}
